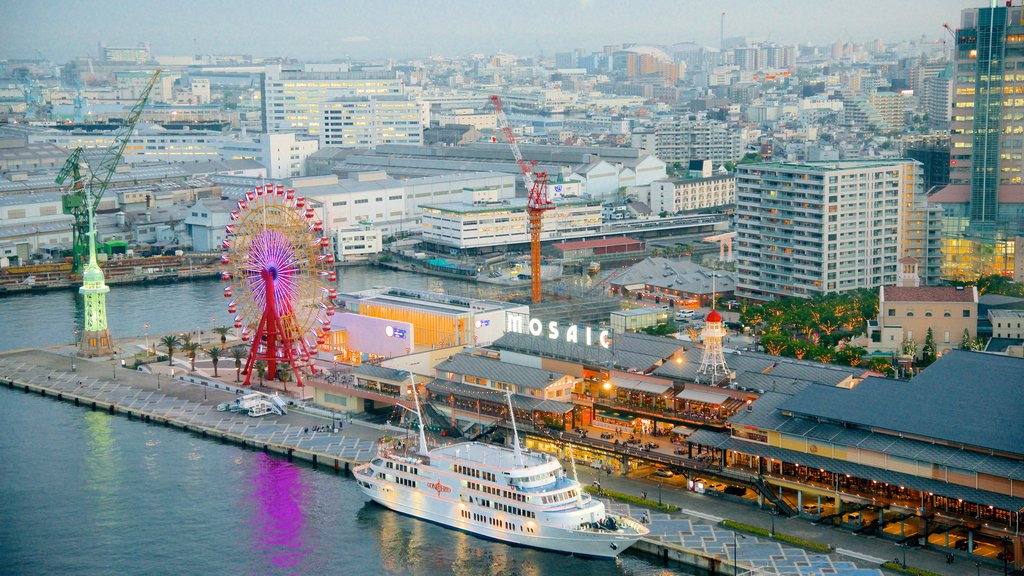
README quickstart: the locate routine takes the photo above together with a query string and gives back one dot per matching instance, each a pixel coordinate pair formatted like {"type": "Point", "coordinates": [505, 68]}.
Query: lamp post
{"type": "Point", "coordinates": [157, 380]}
{"type": "Point", "coordinates": [773, 513]}
{"type": "Point", "coordinates": [659, 493]}
{"type": "Point", "coordinates": [904, 547]}
{"type": "Point", "coordinates": [146, 328]}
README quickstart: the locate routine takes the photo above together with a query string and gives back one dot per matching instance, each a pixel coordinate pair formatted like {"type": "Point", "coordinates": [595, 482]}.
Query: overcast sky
{"type": "Point", "coordinates": [320, 29]}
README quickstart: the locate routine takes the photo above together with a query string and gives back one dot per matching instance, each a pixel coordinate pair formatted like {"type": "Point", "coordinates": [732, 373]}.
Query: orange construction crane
{"type": "Point", "coordinates": [536, 204]}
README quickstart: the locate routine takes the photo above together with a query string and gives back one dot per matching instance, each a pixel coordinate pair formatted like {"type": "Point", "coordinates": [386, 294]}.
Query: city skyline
{"type": "Point", "coordinates": [58, 31]}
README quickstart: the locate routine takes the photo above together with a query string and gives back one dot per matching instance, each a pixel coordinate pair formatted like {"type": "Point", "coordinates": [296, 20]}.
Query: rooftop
{"type": "Point", "coordinates": [498, 371]}
{"type": "Point", "coordinates": [933, 404]}
{"type": "Point", "coordinates": [929, 294]}
{"type": "Point", "coordinates": [598, 243]}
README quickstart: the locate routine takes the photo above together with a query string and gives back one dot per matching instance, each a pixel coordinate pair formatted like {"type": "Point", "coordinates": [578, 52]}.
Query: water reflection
{"type": "Point", "coordinates": [103, 479]}
{"type": "Point", "coordinates": [276, 503]}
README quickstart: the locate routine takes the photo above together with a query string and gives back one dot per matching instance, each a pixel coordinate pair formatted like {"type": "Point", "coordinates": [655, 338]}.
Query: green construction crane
{"type": "Point", "coordinates": [82, 196]}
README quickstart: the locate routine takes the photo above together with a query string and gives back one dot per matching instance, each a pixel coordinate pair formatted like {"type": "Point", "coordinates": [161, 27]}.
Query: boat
{"type": "Point", "coordinates": [511, 495]}
{"type": "Point", "coordinates": [594, 268]}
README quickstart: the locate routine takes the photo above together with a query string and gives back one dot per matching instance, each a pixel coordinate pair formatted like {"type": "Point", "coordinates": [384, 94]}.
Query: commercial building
{"type": "Point", "coordinates": [367, 122]}
{"type": "Point", "coordinates": [987, 154]}
{"type": "Point", "coordinates": [205, 223]}
{"type": "Point", "coordinates": [294, 97]}
{"type": "Point", "coordinates": [906, 313]}
{"type": "Point", "coordinates": [637, 319]}
{"type": "Point", "coordinates": [682, 140]}
{"type": "Point", "coordinates": [484, 222]}
{"type": "Point", "coordinates": [817, 227]}
{"type": "Point", "coordinates": [937, 457]}
{"type": "Point", "coordinates": [139, 54]}
{"type": "Point", "coordinates": [438, 320]}
{"type": "Point", "coordinates": [673, 283]}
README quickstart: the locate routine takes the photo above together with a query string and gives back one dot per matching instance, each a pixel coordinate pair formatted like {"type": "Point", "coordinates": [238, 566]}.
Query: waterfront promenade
{"type": "Point", "coordinates": [102, 385]}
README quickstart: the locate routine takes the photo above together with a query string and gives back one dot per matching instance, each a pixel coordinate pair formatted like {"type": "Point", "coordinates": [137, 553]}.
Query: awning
{"type": "Point", "coordinates": [701, 396]}
{"type": "Point", "coordinates": [639, 385]}
{"type": "Point", "coordinates": [682, 430]}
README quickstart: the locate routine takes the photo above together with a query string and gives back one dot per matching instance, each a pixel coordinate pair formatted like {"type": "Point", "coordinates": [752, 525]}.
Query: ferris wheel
{"type": "Point", "coordinates": [279, 276]}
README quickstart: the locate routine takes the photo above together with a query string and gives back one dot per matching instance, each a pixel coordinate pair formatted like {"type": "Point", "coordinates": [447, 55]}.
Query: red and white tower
{"type": "Point", "coordinates": [712, 365]}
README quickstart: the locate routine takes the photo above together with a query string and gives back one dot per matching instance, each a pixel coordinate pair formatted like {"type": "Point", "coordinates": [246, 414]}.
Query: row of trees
{"type": "Point", "coordinates": [238, 354]}
{"type": "Point", "coordinates": [818, 328]}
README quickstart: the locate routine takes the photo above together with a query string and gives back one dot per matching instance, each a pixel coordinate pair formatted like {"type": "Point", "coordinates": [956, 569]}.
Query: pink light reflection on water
{"type": "Point", "coordinates": [277, 521]}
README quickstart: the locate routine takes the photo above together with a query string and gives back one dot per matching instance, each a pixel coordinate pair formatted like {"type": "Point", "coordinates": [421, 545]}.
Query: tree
{"type": "Point", "coordinates": [223, 331]}
{"type": "Point", "coordinates": [882, 366]}
{"type": "Point", "coordinates": [238, 354]}
{"type": "Point", "coordinates": [190, 349]}
{"type": "Point", "coordinates": [284, 374]}
{"type": "Point", "coordinates": [214, 352]}
{"type": "Point", "coordinates": [774, 344]}
{"type": "Point", "coordinates": [909, 347]}
{"type": "Point", "coordinates": [170, 342]}
{"type": "Point", "coordinates": [928, 350]}
{"type": "Point", "coordinates": [261, 370]}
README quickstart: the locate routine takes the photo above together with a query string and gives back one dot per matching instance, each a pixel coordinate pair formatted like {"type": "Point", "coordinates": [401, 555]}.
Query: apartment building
{"type": "Point", "coordinates": [816, 227]}
{"type": "Point", "coordinates": [683, 140]}
{"type": "Point", "coordinates": [682, 194]}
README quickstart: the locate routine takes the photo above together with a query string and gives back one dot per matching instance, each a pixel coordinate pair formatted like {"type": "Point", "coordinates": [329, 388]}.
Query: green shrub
{"type": "Point", "coordinates": [896, 567]}
{"type": "Point", "coordinates": [756, 531]}
{"type": "Point", "coordinates": [632, 499]}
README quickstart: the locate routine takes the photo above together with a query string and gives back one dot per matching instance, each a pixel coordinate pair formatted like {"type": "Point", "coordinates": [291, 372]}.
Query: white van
{"type": "Point", "coordinates": [684, 314]}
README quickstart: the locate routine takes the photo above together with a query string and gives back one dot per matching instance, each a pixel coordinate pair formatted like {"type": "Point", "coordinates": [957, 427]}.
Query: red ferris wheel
{"type": "Point", "coordinates": [280, 276]}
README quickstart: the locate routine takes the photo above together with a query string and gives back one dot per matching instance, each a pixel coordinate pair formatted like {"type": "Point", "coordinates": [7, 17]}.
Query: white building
{"type": "Point", "coordinates": [366, 122]}
{"type": "Point", "coordinates": [482, 221]}
{"type": "Point", "coordinates": [468, 117]}
{"type": "Point", "coordinates": [684, 194]}
{"type": "Point", "coordinates": [819, 227]}
{"type": "Point", "coordinates": [284, 155]}
{"type": "Point", "coordinates": [356, 244]}
{"type": "Point", "coordinates": [31, 223]}
{"type": "Point", "coordinates": [293, 97]}
{"type": "Point", "coordinates": [205, 222]}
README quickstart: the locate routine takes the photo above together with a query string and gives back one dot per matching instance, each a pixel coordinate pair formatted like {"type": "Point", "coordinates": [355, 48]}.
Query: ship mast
{"type": "Point", "coordinates": [516, 450]}
{"type": "Point", "coordinates": [419, 415]}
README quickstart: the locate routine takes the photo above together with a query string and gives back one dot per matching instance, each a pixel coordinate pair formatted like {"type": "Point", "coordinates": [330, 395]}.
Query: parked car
{"type": "Point", "coordinates": [663, 473]}
{"type": "Point", "coordinates": [735, 490]}
{"type": "Point", "coordinates": [812, 509]}
{"type": "Point", "coordinates": [961, 544]}
{"type": "Point", "coordinates": [684, 315]}
{"type": "Point", "coordinates": [595, 464]}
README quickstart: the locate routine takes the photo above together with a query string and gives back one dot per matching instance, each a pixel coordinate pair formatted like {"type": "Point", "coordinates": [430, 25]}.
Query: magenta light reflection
{"type": "Point", "coordinates": [277, 519]}
{"type": "Point", "coordinates": [271, 250]}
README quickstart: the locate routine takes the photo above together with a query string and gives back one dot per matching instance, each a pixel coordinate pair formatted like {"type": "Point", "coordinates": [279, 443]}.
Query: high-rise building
{"type": "Point", "coordinates": [937, 99]}
{"type": "Point", "coordinates": [817, 227]}
{"type": "Point", "coordinates": [293, 97]}
{"type": "Point", "coordinates": [934, 158]}
{"type": "Point", "coordinates": [984, 204]}
{"type": "Point", "coordinates": [366, 122]}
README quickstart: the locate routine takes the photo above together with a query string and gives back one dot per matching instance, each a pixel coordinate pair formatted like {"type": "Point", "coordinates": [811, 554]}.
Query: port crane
{"type": "Point", "coordinates": [87, 184]}
{"type": "Point", "coordinates": [537, 202]}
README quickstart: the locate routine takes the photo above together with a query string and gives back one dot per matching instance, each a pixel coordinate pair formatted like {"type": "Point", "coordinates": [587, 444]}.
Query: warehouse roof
{"type": "Point", "coordinates": [969, 398]}
{"type": "Point", "coordinates": [496, 370]}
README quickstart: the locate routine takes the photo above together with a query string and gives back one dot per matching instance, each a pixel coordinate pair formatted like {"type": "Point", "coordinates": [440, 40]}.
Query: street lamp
{"type": "Point", "coordinates": [904, 547]}
{"type": "Point", "coordinates": [659, 493]}
{"type": "Point", "coordinates": [773, 513]}
{"type": "Point", "coordinates": [146, 328]}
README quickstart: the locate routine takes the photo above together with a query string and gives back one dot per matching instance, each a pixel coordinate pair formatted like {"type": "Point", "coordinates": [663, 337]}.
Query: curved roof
{"type": "Point", "coordinates": [649, 50]}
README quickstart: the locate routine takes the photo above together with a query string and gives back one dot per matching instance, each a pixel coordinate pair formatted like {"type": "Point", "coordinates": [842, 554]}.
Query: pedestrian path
{"type": "Point", "coordinates": [760, 556]}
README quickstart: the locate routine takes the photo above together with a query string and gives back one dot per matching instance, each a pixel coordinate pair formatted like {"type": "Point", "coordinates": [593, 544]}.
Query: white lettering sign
{"type": "Point", "coordinates": [522, 324]}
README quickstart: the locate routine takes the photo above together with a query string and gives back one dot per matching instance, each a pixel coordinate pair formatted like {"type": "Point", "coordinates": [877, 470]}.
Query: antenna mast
{"type": "Point", "coordinates": [515, 431]}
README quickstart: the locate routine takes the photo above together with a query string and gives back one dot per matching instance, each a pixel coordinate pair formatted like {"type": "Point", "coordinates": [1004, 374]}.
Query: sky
{"type": "Point", "coordinates": [360, 29]}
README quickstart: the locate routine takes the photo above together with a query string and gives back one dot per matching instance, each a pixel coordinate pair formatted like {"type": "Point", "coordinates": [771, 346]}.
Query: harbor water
{"type": "Point", "coordinates": [90, 493]}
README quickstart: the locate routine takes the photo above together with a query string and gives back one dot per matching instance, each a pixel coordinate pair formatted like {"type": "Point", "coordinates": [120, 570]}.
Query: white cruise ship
{"type": "Point", "coordinates": [505, 494]}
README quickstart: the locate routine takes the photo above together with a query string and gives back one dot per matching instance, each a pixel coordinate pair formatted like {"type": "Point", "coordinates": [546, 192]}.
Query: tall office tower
{"type": "Point", "coordinates": [984, 205]}
{"type": "Point", "coordinates": [818, 227]}
{"type": "Point", "coordinates": [294, 97]}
